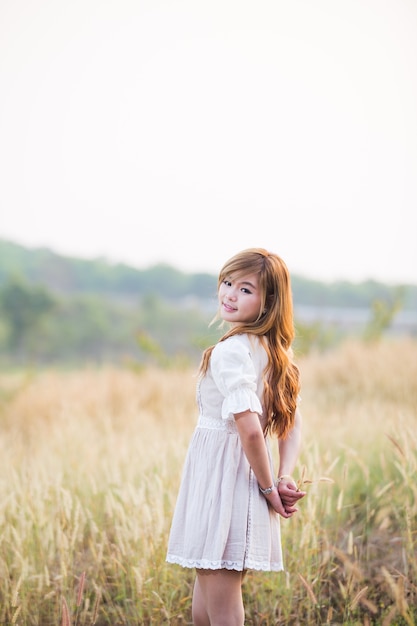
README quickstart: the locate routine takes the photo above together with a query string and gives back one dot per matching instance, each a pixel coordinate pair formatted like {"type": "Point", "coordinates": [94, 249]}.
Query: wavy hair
{"type": "Point", "coordinates": [274, 326]}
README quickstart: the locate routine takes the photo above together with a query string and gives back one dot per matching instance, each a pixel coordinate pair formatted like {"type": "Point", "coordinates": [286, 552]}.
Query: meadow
{"type": "Point", "coordinates": [90, 466]}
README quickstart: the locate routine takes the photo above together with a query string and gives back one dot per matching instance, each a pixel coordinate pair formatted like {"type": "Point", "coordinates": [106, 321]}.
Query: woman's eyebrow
{"type": "Point", "coordinates": [246, 282]}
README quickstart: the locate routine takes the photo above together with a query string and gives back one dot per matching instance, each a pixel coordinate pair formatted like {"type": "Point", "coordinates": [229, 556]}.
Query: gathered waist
{"type": "Point", "coordinates": [216, 423]}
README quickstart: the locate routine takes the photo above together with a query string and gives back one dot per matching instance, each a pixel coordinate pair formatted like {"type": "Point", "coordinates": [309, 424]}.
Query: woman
{"type": "Point", "coordinates": [227, 514]}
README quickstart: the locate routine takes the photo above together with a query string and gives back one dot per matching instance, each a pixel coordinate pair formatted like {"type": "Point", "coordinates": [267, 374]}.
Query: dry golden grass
{"type": "Point", "coordinates": [90, 467]}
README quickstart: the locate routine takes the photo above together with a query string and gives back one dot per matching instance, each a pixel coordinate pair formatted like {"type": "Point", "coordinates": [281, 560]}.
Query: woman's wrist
{"type": "Point", "coordinates": [283, 477]}
{"type": "Point", "coordinates": [271, 495]}
{"type": "Point", "coordinates": [267, 491]}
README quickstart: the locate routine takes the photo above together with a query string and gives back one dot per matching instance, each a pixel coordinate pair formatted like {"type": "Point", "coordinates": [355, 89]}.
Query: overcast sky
{"type": "Point", "coordinates": [150, 131]}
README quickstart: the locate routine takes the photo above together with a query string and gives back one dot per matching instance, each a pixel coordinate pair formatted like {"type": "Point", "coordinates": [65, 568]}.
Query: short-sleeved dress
{"type": "Point", "coordinates": [221, 520]}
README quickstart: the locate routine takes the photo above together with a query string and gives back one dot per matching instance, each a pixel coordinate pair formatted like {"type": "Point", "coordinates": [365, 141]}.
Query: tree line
{"type": "Point", "coordinates": [60, 310]}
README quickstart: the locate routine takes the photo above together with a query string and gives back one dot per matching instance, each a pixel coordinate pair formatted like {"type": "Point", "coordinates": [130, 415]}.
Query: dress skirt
{"type": "Point", "coordinates": [221, 520]}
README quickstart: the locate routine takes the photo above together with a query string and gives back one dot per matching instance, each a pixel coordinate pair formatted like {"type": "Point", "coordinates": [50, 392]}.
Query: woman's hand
{"type": "Point", "coordinates": [275, 502]}
{"type": "Point", "coordinates": [289, 494]}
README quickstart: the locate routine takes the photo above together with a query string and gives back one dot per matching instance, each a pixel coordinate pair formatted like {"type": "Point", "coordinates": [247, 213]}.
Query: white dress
{"type": "Point", "coordinates": [221, 520]}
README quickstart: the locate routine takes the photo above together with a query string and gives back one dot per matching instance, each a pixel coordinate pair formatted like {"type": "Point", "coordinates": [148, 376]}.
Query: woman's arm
{"type": "Point", "coordinates": [254, 446]}
{"type": "Point", "coordinates": [289, 450]}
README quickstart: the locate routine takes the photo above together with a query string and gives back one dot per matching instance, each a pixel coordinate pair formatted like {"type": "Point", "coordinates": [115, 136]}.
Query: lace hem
{"type": "Point", "coordinates": [231, 565]}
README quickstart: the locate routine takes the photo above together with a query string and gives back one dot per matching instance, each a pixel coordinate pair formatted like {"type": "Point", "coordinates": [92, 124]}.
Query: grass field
{"type": "Point", "coordinates": [90, 468]}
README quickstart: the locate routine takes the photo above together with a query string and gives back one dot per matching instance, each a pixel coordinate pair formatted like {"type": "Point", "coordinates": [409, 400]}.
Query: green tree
{"type": "Point", "coordinates": [23, 308]}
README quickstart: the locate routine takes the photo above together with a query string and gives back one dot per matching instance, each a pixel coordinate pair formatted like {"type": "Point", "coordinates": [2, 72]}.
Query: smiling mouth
{"type": "Point", "coordinates": [228, 307]}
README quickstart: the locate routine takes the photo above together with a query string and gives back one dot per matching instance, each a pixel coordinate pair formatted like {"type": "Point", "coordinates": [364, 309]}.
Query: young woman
{"type": "Point", "coordinates": [226, 518]}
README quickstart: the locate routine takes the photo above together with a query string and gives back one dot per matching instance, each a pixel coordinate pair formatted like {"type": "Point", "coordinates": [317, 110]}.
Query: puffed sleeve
{"type": "Point", "coordinates": [234, 374]}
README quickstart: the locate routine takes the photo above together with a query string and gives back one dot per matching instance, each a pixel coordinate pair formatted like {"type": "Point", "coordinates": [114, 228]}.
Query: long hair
{"type": "Point", "coordinates": [274, 326]}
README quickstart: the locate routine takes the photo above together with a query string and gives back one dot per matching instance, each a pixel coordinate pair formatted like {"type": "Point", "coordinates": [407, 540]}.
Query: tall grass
{"type": "Point", "coordinates": [90, 468]}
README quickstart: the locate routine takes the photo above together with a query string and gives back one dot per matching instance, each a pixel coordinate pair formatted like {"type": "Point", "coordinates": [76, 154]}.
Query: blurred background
{"type": "Point", "coordinates": [149, 131]}
{"type": "Point", "coordinates": [143, 143]}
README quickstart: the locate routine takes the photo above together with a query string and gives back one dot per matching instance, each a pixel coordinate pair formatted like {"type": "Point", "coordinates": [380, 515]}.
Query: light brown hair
{"type": "Point", "coordinates": [274, 326]}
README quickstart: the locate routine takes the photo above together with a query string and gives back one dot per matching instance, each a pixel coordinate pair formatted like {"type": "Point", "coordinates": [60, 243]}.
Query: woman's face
{"type": "Point", "coordinates": [239, 299]}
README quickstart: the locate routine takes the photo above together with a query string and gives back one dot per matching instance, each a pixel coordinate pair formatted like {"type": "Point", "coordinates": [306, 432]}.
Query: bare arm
{"type": "Point", "coordinates": [254, 446]}
{"type": "Point", "coordinates": [289, 450]}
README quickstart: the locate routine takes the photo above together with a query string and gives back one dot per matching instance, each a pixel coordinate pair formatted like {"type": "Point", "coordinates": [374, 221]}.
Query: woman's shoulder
{"type": "Point", "coordinates": [238, 357]}
{"type": "Point", "coordinates": [238, 343]}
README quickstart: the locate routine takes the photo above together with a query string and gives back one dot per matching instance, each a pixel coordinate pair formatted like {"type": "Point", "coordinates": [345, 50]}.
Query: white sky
{"type": "Point", "coordinates": [182, 131]}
